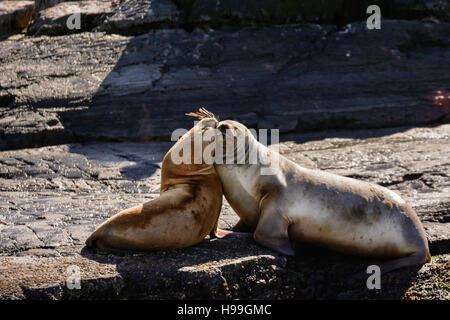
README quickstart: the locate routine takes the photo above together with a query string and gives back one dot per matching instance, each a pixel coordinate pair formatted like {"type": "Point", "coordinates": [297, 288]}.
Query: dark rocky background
{"type": "Point", "coordinates": [86, 116]}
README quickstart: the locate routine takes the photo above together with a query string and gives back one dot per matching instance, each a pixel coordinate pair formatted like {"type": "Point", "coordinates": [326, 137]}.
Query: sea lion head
{"type": "Point", "coordinates": [237, 140]}
{"type": "Point", "coordinates": [236, 129]}
{"type": "Point", "coordinates": [193, 153]}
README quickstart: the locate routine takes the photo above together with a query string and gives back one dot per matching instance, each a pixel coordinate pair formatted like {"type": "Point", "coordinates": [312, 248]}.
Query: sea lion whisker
{"type": "Point", "coordinates": [202, 113]}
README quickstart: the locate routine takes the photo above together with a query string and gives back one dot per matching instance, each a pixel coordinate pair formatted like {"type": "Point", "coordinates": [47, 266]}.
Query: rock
{"type": "Point", "coordinates": [266, 11]}
{"type": "Point", "coordinates": [44, 4]}
{"type": "Point", "coordinates": [439, 233]}
{"type": "Point", "coordinates": [197, 272]}
{"type": "Point", "coordinates": [54, 20]}
{"type": "Point", "coordinates": [113, 87]}
{"type": "Point", "coordinates": [339, 12]}
{"type": "Point", "coordinates": [139, 16]}
{"type": "Point", "coordinates": [15, 15]}
{"type": "Point", "coordinates": [53, 197]}
{"type": "Point", "coordinates": [32, 127]}
{"type": "Point", "coordinates": [125, 17]}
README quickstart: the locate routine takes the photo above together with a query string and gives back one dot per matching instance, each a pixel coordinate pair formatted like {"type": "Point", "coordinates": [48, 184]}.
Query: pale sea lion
{"type": "Point", "coordinates": [313, 206]}
{"type": "Point", "coordinates": [186, 211]}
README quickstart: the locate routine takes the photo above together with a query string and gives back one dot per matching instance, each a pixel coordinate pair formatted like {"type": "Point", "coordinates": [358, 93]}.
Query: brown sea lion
{"type": "Point", "coordinates": [186, 211]}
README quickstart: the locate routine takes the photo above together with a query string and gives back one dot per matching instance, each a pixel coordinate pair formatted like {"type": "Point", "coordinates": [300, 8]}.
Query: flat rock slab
{"type": "Point", "coordinates": [265, 12]}
{"type": "Point", "coordinates": [214, 269]}
{"type": "Point", "coordinates": [52, 198]}
{"type": "Point", "coordinates": [138, 16]}
{"type": "Point", "coordinates": [97, 86]}
{"type": "Point", "coordinates": [54, 20]}
{"type": "Point", "coordinates": [44, 4]}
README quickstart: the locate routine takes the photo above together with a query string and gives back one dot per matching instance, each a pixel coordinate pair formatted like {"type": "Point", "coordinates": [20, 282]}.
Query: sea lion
{"type": "Point", "coordinates": [313, 206]}
{"type": "Point", "coordinates": [186, 211]}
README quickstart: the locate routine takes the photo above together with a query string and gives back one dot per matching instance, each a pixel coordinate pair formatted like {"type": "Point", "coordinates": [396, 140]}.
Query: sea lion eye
{"type": "Point", "coordinates": [223, 128]}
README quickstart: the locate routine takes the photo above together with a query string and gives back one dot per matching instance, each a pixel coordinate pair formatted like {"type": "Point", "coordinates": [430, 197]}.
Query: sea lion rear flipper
{"type": "Point", "coordinates": [221, 234]}
{"type": "Point", "coordinates": [272, 232]}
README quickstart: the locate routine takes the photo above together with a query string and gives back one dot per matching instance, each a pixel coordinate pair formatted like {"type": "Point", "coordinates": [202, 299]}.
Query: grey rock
{"type": "Point", "coordinates": [126, 17]}
{"type": "Point", "coordinates": [30, 128]}
{"type": "Point", "coordinates": [95, 86]}
{"type": "Point", "coordinates": [44, 4]}
{"type": "Point", "coordinates": [138, 16]}
{"type": "Point", "coordinates": [266, 11]}
{"type": "Point", "coordinates": [54, 20]}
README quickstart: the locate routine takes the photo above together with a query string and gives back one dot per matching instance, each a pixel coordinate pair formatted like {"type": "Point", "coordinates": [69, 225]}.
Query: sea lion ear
{"type": "Point", "coordinates": [211, 123]}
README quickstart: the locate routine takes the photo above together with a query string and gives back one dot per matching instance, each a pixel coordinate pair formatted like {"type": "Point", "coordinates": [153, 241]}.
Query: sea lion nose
{"type": "Point", "coordinates": [95, 237]}
{"type": "Point", "coordinates": [90, 242]}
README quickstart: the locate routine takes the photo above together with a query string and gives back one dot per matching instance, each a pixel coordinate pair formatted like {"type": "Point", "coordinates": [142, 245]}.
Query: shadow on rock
{"type": "Point", "coordinates": [213, 269]}
{"type": "Point", "coordinates": [238, 268]}
{"type": "Point", "coordinates": [110, 159]}
{"type": "Point", "coordinates": [319, 273]}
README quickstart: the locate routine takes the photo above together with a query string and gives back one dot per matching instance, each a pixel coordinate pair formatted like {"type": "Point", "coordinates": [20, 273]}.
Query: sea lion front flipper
{"type": "Point", "coordinates": [221, 234]}
{"type": "Point", "coordinates": [272, 232]}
